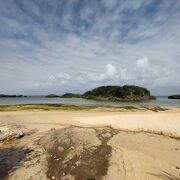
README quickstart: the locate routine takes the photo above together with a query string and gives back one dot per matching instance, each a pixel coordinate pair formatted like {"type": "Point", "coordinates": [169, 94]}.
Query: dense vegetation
{"type": "Point", "coordinates": [177, 96]}
{"type": "Point", "coordinates": [118, 92]}
{"type": "Point", "coordinates": [71, 95]}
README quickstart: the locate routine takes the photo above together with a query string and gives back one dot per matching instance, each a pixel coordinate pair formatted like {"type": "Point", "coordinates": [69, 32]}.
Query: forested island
{"type": "Point", "coordinates": [177, 96]}
{"type": "Point", "coordinates": [114, 93]}
{"type": "Point", "coordinates": [126, 92]}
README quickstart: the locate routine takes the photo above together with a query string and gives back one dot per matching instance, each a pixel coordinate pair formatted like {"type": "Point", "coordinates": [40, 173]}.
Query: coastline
{"type": "Point", "coordinates": [131, 143]}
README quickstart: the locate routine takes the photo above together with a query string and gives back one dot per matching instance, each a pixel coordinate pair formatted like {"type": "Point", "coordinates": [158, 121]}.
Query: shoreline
{"type": "Point", "coordinates": [138, 120]}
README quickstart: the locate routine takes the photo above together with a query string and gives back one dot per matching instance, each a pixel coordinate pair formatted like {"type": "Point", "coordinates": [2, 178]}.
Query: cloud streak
{"type": "Point", "coordinates": [55, 46]}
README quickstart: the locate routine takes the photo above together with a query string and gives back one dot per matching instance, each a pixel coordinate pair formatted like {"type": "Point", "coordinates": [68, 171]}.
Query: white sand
{"type": "Point", "coordinates": [166, 122]}
{"type": "Point", "coordinates": [135, 156]}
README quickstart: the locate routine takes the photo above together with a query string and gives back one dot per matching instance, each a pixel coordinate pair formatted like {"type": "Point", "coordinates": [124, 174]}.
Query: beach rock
{"type": "Point", "coordinates": [82, 153]}
{"type": "Point", "coordinates": [9, 132]}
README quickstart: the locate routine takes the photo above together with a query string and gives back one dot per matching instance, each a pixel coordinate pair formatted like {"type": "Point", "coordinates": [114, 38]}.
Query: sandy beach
{"type": "Point", "coordinates": [89, 90]}
{"type": "Point", "coordinates": [92, 145]}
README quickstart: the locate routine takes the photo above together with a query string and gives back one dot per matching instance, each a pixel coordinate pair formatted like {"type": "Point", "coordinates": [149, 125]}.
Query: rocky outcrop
{"type": "Point", "coordinates": [9, 132]}
{"type": "Point", "coordinates": [90, 153]}
{"type": "Point", "coordinates": [82, 153]}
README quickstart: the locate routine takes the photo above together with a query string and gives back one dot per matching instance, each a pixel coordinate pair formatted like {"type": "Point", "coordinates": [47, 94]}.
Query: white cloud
{"type": "Point", "coordinates": [142, 63]}
{"type": "Point", "coordinates": [109, 74]}
{"type": "Point", "coordinates": [80, 79]}
{"type": "Point", "coordinates": [59, 76]}
{"type": "Point", "coordinates": [124, 75]}
{"type": "Point", "coordinates": [63, 82]}
{"type": "Point", "coordinates": [110, 70]}
{"type": "Point", "coordinates": [63, 75]}
{"type": "Point", "coordinates": [51, 78]}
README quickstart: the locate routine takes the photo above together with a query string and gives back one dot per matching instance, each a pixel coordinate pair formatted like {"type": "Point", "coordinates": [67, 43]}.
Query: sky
{"type": "Point", "coordinates": [58, 46]}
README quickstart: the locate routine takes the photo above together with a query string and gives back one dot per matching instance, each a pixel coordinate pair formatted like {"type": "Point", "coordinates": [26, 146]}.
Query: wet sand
{"type": "Point", "coordinates": [93, 145]}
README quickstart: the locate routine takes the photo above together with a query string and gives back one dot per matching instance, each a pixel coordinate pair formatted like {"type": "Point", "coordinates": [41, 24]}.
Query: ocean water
{"type": "Point", "coordinates": [160, 101]}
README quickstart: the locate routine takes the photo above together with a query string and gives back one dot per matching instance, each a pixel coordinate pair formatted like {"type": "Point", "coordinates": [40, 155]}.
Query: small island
{"type": "Point", "coordinates": [177, 96]}
{"type": "Point", "coordinates": [126, 92]}
{"type": "Point", "coordinates": [52, 96]}
{"type": "Point", "coordinates": [71, 95]}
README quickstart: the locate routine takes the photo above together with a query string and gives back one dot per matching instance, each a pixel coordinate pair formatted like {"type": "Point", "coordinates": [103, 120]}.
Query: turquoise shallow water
{"type": "Point", "coordinates": [160, 101]}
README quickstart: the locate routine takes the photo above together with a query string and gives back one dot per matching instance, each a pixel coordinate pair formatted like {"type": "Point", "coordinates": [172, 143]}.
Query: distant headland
{"type": "Point", "coordinates": [8, 96]}
{"type": "Point", "coordinates": [126, 92]}
{"type": "Point", "coordinates": [52, 96]}
{"type": "Point", "coordinates": [177, 96]}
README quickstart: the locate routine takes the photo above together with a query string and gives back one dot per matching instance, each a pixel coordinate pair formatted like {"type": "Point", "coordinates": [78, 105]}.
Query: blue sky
{"type": "Point", "coordinates": [74, 45]}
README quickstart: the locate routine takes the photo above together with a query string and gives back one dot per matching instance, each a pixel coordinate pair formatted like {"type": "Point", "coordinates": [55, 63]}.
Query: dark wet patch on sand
{"type": "Point", "coordinates": [66, 158]}
{"type": "Point", "coordinates": [10, 159]}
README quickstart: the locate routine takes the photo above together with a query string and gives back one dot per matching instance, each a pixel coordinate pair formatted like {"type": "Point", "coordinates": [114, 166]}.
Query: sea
{"type": "Point", "coordinates": [160, 101]}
